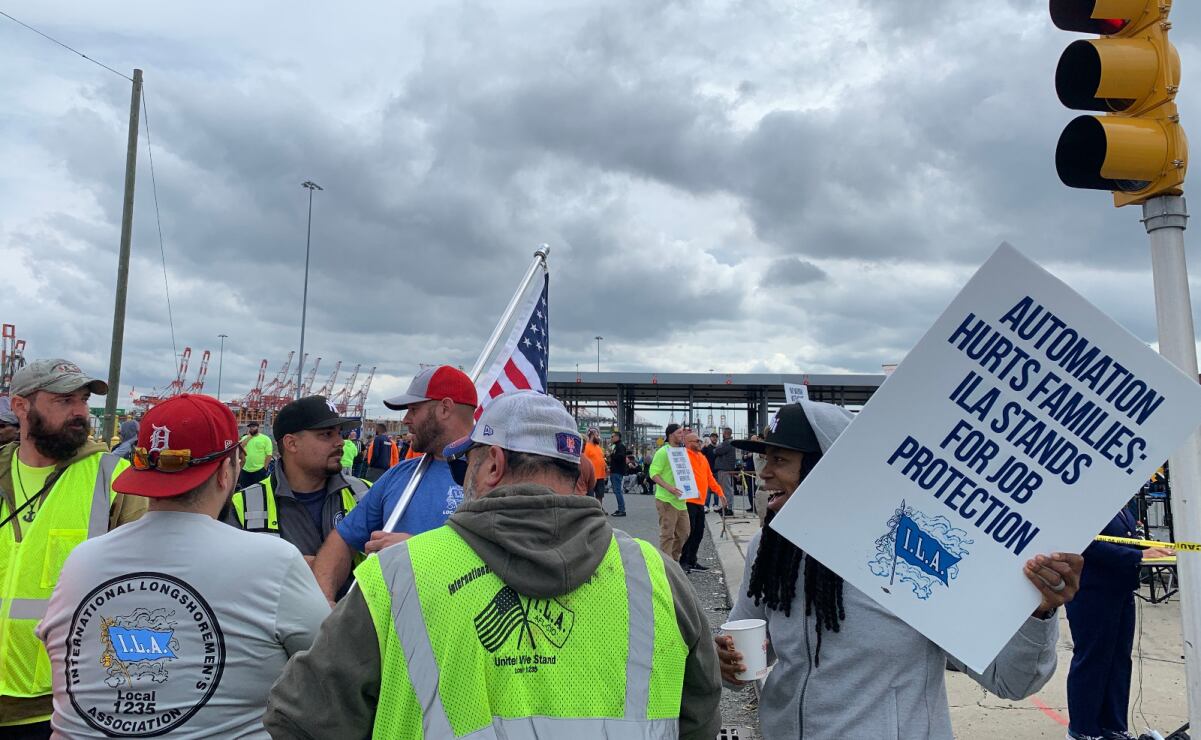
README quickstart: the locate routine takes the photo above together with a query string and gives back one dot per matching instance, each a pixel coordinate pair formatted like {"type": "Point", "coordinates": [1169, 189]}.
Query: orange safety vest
{"type": "Point", "coordinates": [394, 455]}
{"type": "Point", "coordinates": [705, 481]}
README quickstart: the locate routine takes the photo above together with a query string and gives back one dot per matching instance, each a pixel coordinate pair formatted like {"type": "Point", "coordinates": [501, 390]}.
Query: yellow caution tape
{"type": "Point", "coordinates": [1159, 561]}
{"type": "Point", "coordinates": [1182, 546]}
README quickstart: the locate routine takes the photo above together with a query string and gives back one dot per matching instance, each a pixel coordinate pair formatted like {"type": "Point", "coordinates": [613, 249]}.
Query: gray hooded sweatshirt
{"type": "Point", "coordinates": [879, 678]}
{"type": "Point", "coordinates": [542, 544]}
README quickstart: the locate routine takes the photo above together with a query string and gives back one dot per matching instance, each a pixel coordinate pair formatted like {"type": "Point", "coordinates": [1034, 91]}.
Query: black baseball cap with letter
{"type": "Point", "coordinates": [789, 428]}
{"type": "Point", "coordinates": [310, 412]}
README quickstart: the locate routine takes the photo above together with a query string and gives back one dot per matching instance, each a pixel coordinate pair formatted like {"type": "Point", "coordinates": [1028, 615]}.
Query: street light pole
{"type": "Point", "coordinates": [220, 363]}
{"type": "Point", "coordinates": [598, 410]}
{"type": "Point", "coordinates": [304, 304]}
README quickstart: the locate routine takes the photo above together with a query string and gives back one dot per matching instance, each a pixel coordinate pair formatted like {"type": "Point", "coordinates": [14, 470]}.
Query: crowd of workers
{"type": "Point", "coordinates": [201, 582]}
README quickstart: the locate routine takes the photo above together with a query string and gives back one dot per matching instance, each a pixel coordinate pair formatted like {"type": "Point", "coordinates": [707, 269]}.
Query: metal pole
{"type": "Point", "coordinates": [131, 168]}
{"type": "Point", "coordinates": [304, 303]}
{"type": "Point", "coordinates": [220, 364]}
{"type": "Point", "coordinates": [1165, 218]}
{"type": "Point", "coordinates": [540, 256]}
{"type": "Point", "coordinates": [423, 465]}
{"type": "Point", "coordinates": [598, 403]}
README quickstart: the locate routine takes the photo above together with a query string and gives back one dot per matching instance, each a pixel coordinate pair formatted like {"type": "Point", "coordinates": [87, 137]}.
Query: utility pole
{"type": "Point", "coordinates": [304, 305]}
{"type": "Point", "coordinates": [131, 167]}
{"type": "Point", "coordinates": [1165, 217]}
{"type": "Point", "coordinates": [221, 363]}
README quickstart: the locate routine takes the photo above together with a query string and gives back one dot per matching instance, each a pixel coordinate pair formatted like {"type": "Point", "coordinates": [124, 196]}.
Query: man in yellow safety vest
{"type": "Point", "coordinates": [307, 495]}
{"type": "Point", "coordinates": [55, 492]}
{"type": "Point", "coordinates": [526, 615]}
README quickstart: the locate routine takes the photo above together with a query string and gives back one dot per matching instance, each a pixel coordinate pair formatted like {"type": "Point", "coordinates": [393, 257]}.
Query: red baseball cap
{"type": "Point", "coordinates": [202, 425]}
{"type": "Point", "coordinates": [434, 384]}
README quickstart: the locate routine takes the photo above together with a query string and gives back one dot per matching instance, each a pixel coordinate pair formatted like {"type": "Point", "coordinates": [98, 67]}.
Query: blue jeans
{"type": "Point", "coordinates": [615, 484]}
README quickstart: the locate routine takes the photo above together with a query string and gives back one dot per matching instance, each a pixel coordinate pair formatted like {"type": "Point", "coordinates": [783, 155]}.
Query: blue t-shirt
{"type": "Point", "coordinates": [436, 498]}
{"type": "Point", "coordinates": [314, 502]}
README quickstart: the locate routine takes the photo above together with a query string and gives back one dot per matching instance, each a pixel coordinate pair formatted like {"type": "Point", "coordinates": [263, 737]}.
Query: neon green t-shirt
{"type": "Point", "coordinates": [28, 481]}
{"type": "Point", "coordinates": [661, 466]}
{"type": "Point", "coordinates": [349, 451]}
{"type": "Point", "coordinates": [258, 449]}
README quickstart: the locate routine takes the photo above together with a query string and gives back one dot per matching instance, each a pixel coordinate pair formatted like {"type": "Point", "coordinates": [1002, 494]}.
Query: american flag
{"type": "Point", "coordinates": [521, 364]}
{"type": "Point", "coordinates": [497, 621]}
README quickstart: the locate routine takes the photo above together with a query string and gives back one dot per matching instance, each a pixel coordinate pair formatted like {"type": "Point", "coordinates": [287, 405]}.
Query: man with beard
{"type": "Point", "coordinates": [307, 494]}
{"type": "Point", "coordinates": [439, 408]}
{"type": "Point", "coordinates": [55, 492]}
{"type": "Point", "coordinates": [526, 616]}
{"type": "Point", "coordinates": [845, 666]}
{"type": "Point", "coordinates": [673, 513]}
{"type": "Point", "coordinates": [258, 455]}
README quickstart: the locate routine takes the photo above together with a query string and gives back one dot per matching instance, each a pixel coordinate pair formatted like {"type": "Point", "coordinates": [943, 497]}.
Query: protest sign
{"type": "Point", "coordinates": [1019, 425]}
{"type": "Point", "coordinates": [796, 392]}
{"type": "Point", "coordinates": [681, 469]}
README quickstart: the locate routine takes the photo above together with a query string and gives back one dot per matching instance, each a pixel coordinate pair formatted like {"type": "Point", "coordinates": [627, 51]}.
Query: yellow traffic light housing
{"type": "Point", "coordinates": [1137, 149]}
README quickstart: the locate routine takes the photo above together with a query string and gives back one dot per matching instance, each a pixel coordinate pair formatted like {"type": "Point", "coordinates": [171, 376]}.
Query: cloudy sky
{"type": "Point", "coordinates": [745, 186]}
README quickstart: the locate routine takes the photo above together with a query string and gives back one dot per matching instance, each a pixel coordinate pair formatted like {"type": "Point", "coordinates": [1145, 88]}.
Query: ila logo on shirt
{"type": "Point", "coordinates": [146, 654]}
{"type": "Point", "coordinates": [454, 497]}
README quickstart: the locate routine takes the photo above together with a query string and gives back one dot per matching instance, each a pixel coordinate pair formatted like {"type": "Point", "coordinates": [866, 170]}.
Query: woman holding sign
{"type": "Point", "coordinates": [845, 666]}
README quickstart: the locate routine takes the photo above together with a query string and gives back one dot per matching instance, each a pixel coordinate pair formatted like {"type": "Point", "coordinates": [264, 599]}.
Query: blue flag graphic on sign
{"type": "Point", "coordinates": [918, 548]}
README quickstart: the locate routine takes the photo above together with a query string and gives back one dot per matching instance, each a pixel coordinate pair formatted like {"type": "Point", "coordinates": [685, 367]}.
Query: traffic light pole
{"type": "Point", "coordinates": [1165, 218]}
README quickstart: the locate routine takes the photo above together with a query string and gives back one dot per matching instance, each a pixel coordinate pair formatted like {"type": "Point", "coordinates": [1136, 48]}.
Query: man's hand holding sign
{"type": "Point", "coordinates": [1057, 578]}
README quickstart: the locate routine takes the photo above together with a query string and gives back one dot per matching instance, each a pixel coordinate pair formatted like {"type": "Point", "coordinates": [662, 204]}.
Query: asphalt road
{"type": "Point", "coordinates": [738, 709]}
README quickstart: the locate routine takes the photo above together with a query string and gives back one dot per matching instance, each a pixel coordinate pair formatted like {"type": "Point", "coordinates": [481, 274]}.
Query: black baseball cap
{"type": "Point", "coordinates": [310, 412]}
{"type": "Point", "coordinates": [789, 428]}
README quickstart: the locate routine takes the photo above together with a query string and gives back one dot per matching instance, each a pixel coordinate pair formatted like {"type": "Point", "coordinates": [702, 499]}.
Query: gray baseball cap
{"type": "Point", "coordinates": [54, 376]}
{"type": "Point", "coordinates": [524, 421]}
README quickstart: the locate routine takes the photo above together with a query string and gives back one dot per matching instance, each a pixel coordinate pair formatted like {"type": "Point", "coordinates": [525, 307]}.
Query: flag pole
{"type": "Point", "coordinates": [498, 333]}
{"type": "Point", "coordinates": [896, 530]}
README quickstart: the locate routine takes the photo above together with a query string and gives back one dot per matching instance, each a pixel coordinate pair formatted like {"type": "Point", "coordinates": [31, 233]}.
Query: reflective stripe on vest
{"type": "Point", "coordinates": [258, 512]}
{"type": "Point", "coordinates": [30, 569]}
{"type": "Point", "coordinates": [256, 508]}
{"type": "Point", "coordinates": [413, 687]}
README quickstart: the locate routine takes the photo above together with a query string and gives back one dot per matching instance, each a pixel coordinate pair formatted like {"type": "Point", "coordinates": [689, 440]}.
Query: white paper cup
{"type": "Point", "coordinates": [750, 639]}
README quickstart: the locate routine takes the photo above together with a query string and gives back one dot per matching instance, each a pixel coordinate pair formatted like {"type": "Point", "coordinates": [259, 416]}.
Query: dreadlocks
{"type": "Point", "coordinates": [774, 576]}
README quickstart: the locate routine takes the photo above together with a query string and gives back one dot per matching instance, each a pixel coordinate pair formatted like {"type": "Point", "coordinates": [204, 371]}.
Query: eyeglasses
{"type": "Point", "coordinates": [458, 465]}
{"type": "Point", "coordinates": [172, 461]}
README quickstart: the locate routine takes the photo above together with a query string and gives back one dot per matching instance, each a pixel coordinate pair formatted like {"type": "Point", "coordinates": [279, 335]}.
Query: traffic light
{"type": "Point", "coordinates": [1131, 74]}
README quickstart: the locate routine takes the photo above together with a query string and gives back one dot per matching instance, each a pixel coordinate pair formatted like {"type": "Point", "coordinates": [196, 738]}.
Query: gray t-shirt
{"type": "Point", "coordinates": [178, 624]}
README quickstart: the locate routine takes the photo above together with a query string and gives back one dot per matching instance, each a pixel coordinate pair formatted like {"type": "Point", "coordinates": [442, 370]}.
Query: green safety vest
{"type": "Point", "coordinates": [75, 509]}
{"type": "Point", "coordinates": [256, 509]}
{"type": "Point", "coordinates": [464, 655]}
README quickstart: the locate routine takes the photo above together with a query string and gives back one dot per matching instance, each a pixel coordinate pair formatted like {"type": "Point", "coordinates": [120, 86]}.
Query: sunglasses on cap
{"type": "Point", "coordinates": [172, 461]}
